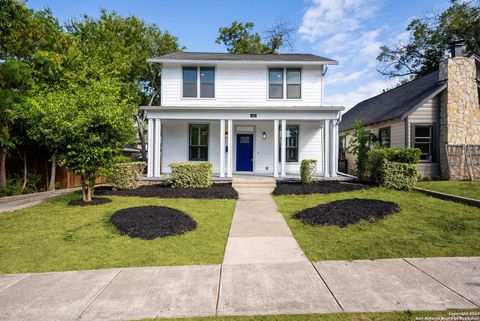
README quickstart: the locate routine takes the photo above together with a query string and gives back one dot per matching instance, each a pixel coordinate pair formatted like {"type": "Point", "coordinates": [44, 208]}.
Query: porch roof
{"type": "Point", "coordinates": [244, 113]}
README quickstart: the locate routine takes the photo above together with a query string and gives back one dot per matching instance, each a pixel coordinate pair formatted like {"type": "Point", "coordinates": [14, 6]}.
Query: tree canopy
{"type": "Point", "coordinates": [429, 38]}
{"type": "Point", "coordinates": [240, 38]}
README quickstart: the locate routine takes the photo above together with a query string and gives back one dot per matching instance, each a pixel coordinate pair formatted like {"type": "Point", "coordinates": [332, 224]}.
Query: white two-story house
{"type": "Point", "coordinates": [257, 114]}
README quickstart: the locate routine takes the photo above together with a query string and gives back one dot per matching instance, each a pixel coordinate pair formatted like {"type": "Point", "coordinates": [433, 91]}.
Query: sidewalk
{"type": "Point", "coordinates": [264, 272]}
{"type": "Point", "coordinates": [13, 203]}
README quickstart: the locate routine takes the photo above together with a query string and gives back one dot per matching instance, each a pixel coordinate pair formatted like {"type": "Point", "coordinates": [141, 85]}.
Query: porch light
{"type": "Point", "coordinates": [226, 134]}
{"type": "Point", "coordinates": [264, 135]}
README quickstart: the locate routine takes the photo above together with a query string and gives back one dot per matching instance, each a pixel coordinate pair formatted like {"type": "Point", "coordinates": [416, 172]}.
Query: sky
{"type": "Point", "coordinates": [349, 31]}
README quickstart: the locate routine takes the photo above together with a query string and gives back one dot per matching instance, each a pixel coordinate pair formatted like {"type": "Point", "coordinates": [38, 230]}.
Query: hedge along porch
{"type": "Point", "coordinates": [276, 138]}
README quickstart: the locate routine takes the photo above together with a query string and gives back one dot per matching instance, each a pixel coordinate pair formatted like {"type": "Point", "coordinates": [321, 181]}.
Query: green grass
{"type": "Point", "coordinates": [460, 188]}
{"type": "Point", "coordinates": [425, 227]}
{"type": "Point", "coordinates": [386, 316]}
{"type": "Point", "coordinates": [53, 236]}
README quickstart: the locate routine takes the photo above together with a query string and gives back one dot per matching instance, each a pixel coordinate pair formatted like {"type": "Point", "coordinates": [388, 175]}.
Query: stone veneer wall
{"type": "Point", "coordinates": [460, 110]}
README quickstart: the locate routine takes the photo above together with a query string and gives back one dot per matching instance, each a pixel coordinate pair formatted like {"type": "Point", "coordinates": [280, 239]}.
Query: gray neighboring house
{"type": "Point", "coordinates": [428, 113]}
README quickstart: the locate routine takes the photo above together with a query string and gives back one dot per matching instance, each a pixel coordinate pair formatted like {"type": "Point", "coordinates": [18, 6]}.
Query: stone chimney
{"type": "Point", "coordinates": [460, 110]}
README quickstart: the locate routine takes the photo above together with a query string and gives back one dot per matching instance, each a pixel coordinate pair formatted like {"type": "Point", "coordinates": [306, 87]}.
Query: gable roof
{"type": "Point", "coordinates": [230, 57]}
{"type": "Point", "coordinates": [396, 103]}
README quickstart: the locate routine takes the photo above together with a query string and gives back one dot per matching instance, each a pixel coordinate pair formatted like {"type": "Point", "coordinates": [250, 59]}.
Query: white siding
{"type": "Point", "coordinates": [175, 144]}
{"type": "Point", "coordinates": [240, 85]}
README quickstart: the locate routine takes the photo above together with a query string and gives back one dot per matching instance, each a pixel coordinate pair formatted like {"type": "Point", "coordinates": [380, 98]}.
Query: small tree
{"type": "Point", "coordinates": [360, 145]}
{"type": "Point", "coordinates": [102, 125]}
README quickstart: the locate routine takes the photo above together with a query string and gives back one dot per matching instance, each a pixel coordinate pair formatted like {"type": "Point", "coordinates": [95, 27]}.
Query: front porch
{"type": "Point", "coordinates": [263, 142]}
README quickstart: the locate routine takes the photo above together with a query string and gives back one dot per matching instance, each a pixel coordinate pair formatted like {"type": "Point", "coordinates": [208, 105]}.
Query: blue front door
{"type": "Point", "coordinates": [245, 152]}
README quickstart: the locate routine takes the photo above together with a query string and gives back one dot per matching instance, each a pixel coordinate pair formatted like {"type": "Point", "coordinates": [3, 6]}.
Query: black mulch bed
{"type": "Point", "coordinates": [149, 222]}
{"type": "Point", "coordinates": [216, 191]}
{"type": "Point", "coordinates": [322, 187]}
{"type": "Point", "coordinates": [344, 212]}
{"type": "Point", "coordinates": [94, 201]}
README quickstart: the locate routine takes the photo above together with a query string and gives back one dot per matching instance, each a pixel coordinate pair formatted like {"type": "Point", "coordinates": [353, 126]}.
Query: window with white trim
{"type": "Point", "coordinates": [198, 82]}
{"type": "Point", "coordinates": [423, 139]}
{"type": "Point", "coordinates": [198, 142]}
{"type": "Point", "coordinates": [291, 145]}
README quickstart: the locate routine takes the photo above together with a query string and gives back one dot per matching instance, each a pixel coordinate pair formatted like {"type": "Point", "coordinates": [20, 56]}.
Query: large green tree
{"type": "Point", "coordinates": [429, 38]}
{"type": "Point", "coordinates": [241, 38]}
{"type": "Point", "coordinates": [120, 47]}
{"type": "Point", "coordinates": [31, 46]}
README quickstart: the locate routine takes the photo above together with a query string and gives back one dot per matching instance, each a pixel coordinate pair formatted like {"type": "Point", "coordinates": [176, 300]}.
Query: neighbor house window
{"type": "Point", "coordinates": [384, 136]}
{"type": "Point", "coordinates": [423, 139]}
{"type": "Point", "coordinates": [342, 147]}
{"type": "Point", "coordinates": [198, 143]}
{"type": "Point", "coordinates": [275, 83]}
{"type": "Point", "coordinates": [291, 144]}
{"type": "Point", "coordinates": [294, 77]}
{"type": "Point", "coordinates": [207, 82]}
{"type": "Point", "coordinates": [189, 81]}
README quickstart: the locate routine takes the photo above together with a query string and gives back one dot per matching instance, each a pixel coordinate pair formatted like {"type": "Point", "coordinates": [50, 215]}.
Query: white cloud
{"type": "Point", "coordinates": [343, 29]}
{"type": "Point", "coordinates": [342, 77]}
{"type": "Point", "coordinates": [362, 92]}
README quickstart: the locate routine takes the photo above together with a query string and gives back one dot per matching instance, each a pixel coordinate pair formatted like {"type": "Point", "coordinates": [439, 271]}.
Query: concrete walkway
{"type": "Point", "coordinates": [243, 289]}
{"type": "Point", "coordinates": [259, 233]}
{"type": "Point", "coordinates": [264, 272]}
{"type": "Point", "coordinates": [14, 203]}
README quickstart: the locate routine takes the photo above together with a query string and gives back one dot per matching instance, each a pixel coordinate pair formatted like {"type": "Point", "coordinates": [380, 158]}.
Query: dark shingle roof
{"type": "Point", "coordinates": [185, 55]}
{"type": "Point", "coordinates": [395, 103]}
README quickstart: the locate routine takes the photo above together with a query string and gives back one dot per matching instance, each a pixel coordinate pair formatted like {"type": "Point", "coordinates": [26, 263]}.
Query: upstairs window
{"type": "Point", "coordinates": [198, 142]}
{"type": "Point", "coordinates": [189, 82]}
{"type": "Point", "coordinates": [198, 80]}
{"type": "Point", "coordinates": [282, 80]}
{"type": "Point", "coordinates": [423, 139]}
{"type": "Point", "coordinates": [384, 136]}
{"type": "Point", "coordinates": [207, 82]}
{"type": "Point", "coordinates": [294, 77]}
{"type": "Point", "coordinates": [275, 86]}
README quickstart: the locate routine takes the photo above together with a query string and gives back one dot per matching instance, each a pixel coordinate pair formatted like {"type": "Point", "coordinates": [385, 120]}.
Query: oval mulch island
{"type": "Point", "coordinates": [94, 201]}
{"type": "Point", "coordinates": [149, 222]}
{"type": "Point", "coordinates": [345, 212]}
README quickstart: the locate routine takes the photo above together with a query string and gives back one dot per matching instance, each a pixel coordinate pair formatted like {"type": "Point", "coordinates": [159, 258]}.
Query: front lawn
{"type": "Point", "coordinates": [53, 236]}
{"type": "Point", "coordinates": [378, 316]}
{"type": "Point", "coordinates": [460, 188]}
{"type": "Point", "coordinates": [424, 227]}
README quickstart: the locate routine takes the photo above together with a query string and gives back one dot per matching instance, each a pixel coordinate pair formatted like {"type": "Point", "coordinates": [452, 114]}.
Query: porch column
{"type": "Point", "coordinates": [230, 148]}
{"type": "Point", "coordinates": [284, 144]}
{"type": "Point", "coordinates": [150, 148]}
{"type": "Point", "coordinates": [222, 148]}
{"type": "Point", "coordinates": [158, 144]}
{"type": "Point", "coordinates": [326, 148]}
{"type": "Point", "coordinates": [334, 148]}
{"type": "Point", "coordinates": [275, 148]}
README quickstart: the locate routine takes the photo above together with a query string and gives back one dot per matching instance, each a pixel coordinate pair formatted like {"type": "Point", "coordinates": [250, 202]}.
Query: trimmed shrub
{"type": "Point", "coordinates": [191, 174]}
{"type": "Point", "coordinates": [401, 176]}
{"type": "Point", "coordinates": [127, 175]}
{"type": "Point", "coordinates": [377, 157]}
{"type": "Point", "coordinates": [307, 170]}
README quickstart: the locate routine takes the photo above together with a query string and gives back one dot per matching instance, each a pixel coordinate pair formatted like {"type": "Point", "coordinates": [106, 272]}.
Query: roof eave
{"type": "Point", "coordinates": [233, 62]}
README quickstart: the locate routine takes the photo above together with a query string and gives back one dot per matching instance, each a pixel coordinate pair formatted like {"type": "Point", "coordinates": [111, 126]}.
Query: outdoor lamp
{"type": "Point", "coordinates": [264, 135]}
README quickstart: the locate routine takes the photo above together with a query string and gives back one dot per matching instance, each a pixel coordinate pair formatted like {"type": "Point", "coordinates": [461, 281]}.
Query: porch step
{"type": "Point", "coordinates": [254, 182]}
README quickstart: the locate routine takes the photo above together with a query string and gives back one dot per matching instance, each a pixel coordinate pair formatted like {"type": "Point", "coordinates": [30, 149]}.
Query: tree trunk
{"type": "Point", "coordinates": [3, 170]}
{"type": "Point", "coordinates": [51, 185]}
{"type": "Point", "coordinates": [86, 190]}
{"type": "Point", "coordinates": [25, 173]}
{"type": "Point", "coordinates": [141, 135]}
